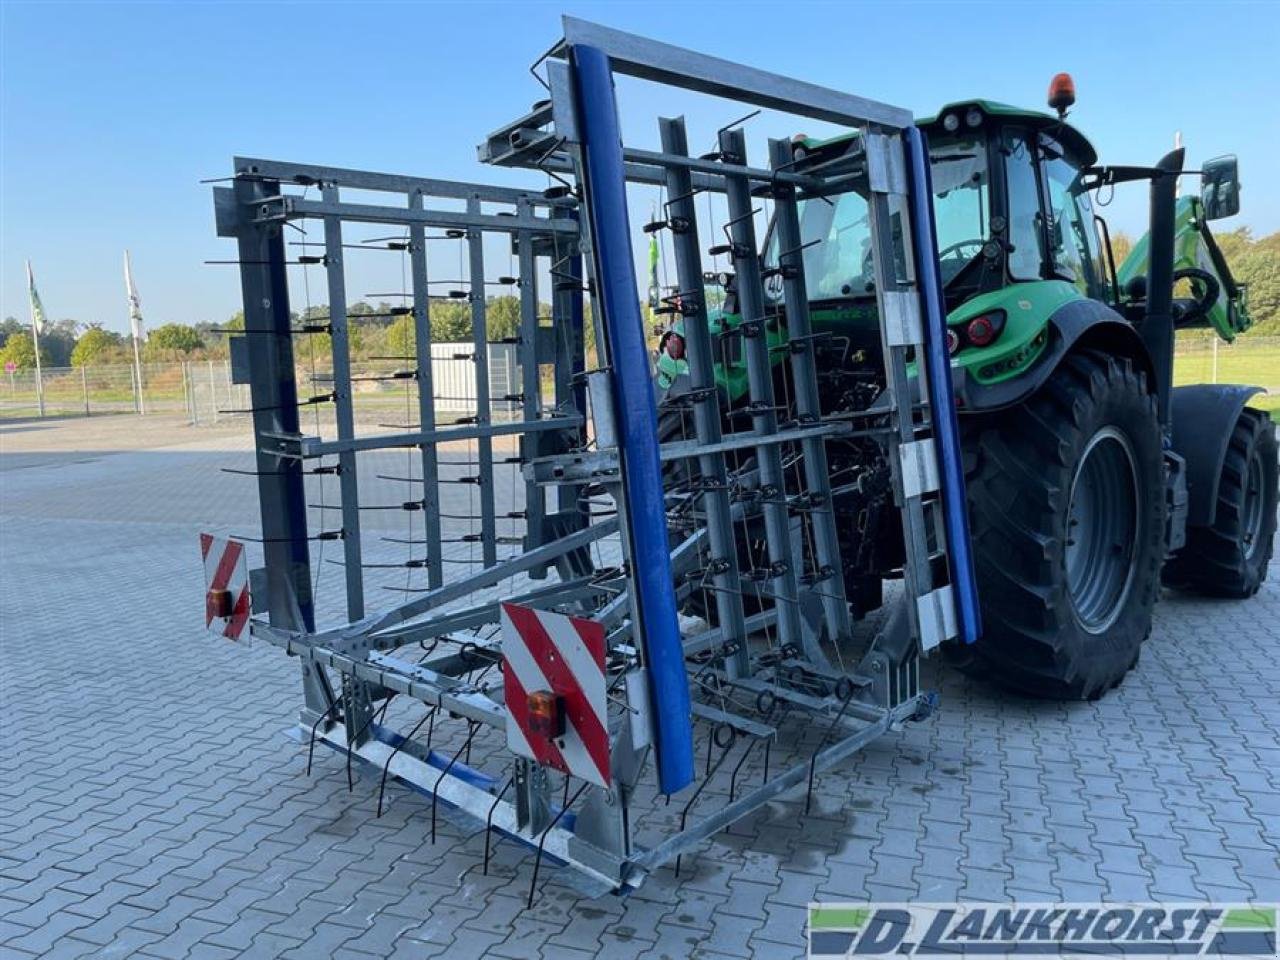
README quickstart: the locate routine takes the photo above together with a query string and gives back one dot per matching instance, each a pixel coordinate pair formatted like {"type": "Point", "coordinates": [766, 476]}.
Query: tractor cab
{"type": "Point", "coordinates": [1017, 238]}
{"type": "Point", "coordinates": [1010, 206]}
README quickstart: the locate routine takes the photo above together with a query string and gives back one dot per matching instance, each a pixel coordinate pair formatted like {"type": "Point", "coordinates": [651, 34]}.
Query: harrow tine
{"type": "Point", "coordinates": [542, 841]}
{"type": "Point", "coordinates": [382, 786]}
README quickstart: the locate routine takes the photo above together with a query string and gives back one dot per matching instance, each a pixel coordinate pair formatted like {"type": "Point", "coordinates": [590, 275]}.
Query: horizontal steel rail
{"type": "Point", "coordinates": [677, 67]}
{"type": "Point", "coordinates": [395, 183]}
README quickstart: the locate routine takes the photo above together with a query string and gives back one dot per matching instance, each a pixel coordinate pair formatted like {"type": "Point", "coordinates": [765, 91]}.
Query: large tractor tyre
{"type": "Point", "coordinates": [1229, 557]}
{"type": "Point", "coordinates": [1067, 511]}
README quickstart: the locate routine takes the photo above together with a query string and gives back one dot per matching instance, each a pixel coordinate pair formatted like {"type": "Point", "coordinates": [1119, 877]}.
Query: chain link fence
{"type": "Point", "coordinates": [385, 395]}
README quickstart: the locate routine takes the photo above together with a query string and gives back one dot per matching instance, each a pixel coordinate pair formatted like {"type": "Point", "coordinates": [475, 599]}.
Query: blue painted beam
{"type": "Point", "coordinates": [636, 416]}
{"type": "Point", "coordinates": [937, 363]}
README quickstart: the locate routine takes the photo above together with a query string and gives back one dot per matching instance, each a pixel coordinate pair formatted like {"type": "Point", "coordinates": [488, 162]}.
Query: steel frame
{"type": "Point", "coordinates": [671, 675]}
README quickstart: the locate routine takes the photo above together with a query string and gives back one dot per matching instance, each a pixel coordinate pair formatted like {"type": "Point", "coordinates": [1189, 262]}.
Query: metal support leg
{"type": "Point", "coordinates": [535, 509]}
{"type": "Point", "coordinates": [782, 559]}
{"type": "Point", "coordinates": [804, 377]}
{"type": "Point", "coordinates": [900, 331]}
{"type": "Point", "coordinates": [706, 406]}
{"type": "Point", "coordinates": [480, 344]}
{"type": "Point", "coordinates": [342, 403]}
{"type": "Point", "coordinates": [637, 420]}
{"type": "Point", "coordinates": [274, 392]}
{"type": "Point", "coordinates": [426, 396]}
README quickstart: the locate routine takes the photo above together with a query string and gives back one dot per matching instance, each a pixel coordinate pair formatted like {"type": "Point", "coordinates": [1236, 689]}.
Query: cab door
{"type": "Point", "coordinates": [1074, 252]}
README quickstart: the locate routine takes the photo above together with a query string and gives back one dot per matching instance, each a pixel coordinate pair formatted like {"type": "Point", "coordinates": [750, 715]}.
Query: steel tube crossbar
{"type": "Point", "coordinates": [678, 67]}
{"type": "Point", "coordinates": [291, 207]}
{"type": "Point", "coordinates": [314, 447]}
{"type": "Point", "coordinates": [392, 183]}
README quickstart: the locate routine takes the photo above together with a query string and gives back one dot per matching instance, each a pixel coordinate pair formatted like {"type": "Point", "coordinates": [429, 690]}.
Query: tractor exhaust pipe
{"type": "Point", "coordinates": [1157, 328]}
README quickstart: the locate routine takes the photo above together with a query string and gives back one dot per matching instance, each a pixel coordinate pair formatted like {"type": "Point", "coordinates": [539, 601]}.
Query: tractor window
{"type": "Point", "coordinates": [1026, 239]}
{"type": "Point", "coordinates": [960, 202]}
{"type": "Point", "coordinates": [839, 263]}
{"type": "Point", "coordinates": [1072, 239]}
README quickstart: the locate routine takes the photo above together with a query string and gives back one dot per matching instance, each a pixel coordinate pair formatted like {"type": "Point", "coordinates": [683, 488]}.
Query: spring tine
{"type": "Point", "coordinates": [813, 758]}
{"type": "Point", "coordinates": [374, 717]}
{"type": "Point", "coordinates": [311, 743]}
{"type": "Point", "coordinates": [473, 727]}
{"type": "Point", "coordinates": [542, 842]}
{"type": "Point", "coordinates": [488, 822]}
{"type": "Point", "coordinates": [382, 786]}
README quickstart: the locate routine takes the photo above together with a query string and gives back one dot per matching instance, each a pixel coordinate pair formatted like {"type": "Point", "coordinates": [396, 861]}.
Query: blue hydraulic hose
{"type": "Point", "coordinates": [636, 416]}
{"type": "Point", "coordinates": [941, 396]}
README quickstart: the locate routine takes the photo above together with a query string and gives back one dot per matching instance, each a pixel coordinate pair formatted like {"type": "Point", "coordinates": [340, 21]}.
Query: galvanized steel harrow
{"type": "Point", "coordinates": [618, 529]}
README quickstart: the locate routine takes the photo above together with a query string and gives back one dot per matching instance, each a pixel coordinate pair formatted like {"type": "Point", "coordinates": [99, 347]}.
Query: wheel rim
{"type": "Point", "coordinates": [1102, 529]}
{"type": "Point", "coordinates": [1251, 514]}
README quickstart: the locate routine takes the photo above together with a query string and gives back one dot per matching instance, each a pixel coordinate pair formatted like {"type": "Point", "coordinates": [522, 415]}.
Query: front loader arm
{"type": "Point", "coordinates": [1195, 248]}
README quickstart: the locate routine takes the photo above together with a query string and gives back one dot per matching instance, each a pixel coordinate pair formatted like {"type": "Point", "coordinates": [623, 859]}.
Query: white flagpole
{"type": "Point", "coordinates": [35, 337]}
{"type": "Point", "coordinates": [135, 326]}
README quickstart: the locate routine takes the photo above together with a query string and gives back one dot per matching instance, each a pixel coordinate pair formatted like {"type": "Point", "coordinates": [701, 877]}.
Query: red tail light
{"type": "Point", "coordinates": [982, 330]}
{"type": "Point", "coordinates": [546, 714]}
{"type": "Point", "coordinates": [953, 342]}
{"type": "Point", "coordinates": [673, 345]}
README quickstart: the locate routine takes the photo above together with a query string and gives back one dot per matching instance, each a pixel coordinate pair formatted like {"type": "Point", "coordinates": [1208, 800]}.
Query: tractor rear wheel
{"type": "Point", "coordinates": [1067, 512]}
{"type": "Point", "coordinates": [1229, 557]}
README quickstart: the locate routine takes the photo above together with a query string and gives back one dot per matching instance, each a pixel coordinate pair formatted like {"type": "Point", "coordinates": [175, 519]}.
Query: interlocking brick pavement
{"type": "Point", "coordinates": [150, 806]}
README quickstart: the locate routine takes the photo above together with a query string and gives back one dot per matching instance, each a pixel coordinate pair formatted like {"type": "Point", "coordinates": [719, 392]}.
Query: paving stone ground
{"type": "Point", "coordinates": [150, 805]}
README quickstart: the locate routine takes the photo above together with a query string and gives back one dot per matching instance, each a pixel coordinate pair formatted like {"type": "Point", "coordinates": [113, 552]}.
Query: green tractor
{"type": "Point", "coordinates": [1090, 478]}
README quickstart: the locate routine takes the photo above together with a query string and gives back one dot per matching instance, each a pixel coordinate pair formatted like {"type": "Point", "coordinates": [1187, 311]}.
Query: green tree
{"type": "Point", "coordinates": [450, 321]}
{"type": "Point", "coordinates": [401, 338]}
{"type": "Point", "coordinates": [1256, 264]}
{"type": "Point", "coordinates": [57, 340]}
{"type": "Point", "coordinates": [10, 326]}
{"type": "Point", "coordinates": [173, 338]}
{"type": "Point", "coordinates": [502, 317]}
{"type": "Point", "coordinates": [95, 346]}
{"type": "Point", "coordinates": [19, 351]}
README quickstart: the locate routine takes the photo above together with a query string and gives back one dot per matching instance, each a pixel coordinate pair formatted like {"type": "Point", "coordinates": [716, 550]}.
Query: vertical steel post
{"type": "Point", "coordinates": [706, 404]}
{"type": "Point", "coordinates": [764, 417]}
{"type": "Point", "coordinates": [274, 393]}
{"type": "Point", "coordinates": [535, 507]}
{"type": "Point", "coordinates": [895, 298]}
{"type": "Point", "coordinates": [804, 377]}
{"type": "Point", "coordinates": [84, 389]}
{"type": "Point", "coordinates": [426, 394]}
{"type": "Point", "coordinates": [484, 415]}
{"type": "Point", "coordinates": [955, 514]}
{"type": "Point", "coordinates": [344, 413]}
{"type": "Point", "coordinates": [604, 181]}
{"type": "Point", "coordinates": [570, 390]}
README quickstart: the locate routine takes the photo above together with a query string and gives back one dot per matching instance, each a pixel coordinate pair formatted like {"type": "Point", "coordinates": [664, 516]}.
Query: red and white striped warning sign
{"type": "Point", "coordinates": [226, 586]}
{"type": "Point", "coordinates": [554, 686]}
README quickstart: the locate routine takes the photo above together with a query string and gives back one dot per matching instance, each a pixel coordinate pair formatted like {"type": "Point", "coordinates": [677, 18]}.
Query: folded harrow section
{"type": "Point", "coordinates": [633, 577]}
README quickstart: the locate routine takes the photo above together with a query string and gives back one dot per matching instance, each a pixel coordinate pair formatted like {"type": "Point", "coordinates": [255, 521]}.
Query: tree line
{"type": "Point", "coordinates": [375, 331]}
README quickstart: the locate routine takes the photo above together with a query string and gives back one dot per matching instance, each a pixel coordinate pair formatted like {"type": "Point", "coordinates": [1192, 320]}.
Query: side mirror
{"type": "Point", "coordinates": [1220, 188]}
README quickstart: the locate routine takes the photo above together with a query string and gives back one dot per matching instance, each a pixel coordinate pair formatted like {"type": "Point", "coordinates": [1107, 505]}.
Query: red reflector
{"type": "Point", "coordinates": [546, 714]}
{"type": "Point", "coordinates": [982, 330]}
{"type": "Point", "coordinates": [674, 346]}
{"type": "Point", "coordinates": [218, 603]}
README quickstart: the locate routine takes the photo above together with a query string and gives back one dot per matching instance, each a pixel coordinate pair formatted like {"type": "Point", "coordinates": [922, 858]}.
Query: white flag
{"type": "Point", "coordinates": [38, 320]}
{"type": "Point", "coordinates": [135, 305]}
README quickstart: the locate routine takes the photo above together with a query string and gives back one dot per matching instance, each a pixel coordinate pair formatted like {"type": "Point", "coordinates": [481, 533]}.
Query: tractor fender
{"type": "Point", "coordinates": [1204, 414]}
{"type": "Point", "coordinates": [1077, 325]}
